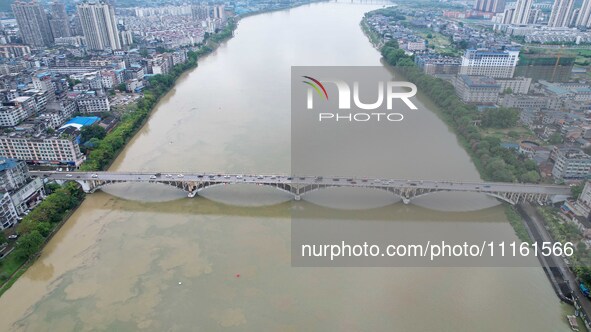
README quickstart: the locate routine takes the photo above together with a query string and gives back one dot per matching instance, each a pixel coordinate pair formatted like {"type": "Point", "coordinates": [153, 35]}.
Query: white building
{"type": "Point", "coordinates": [10, 116]}
{"type": "Point", "coordinates": [133, 84]}
{"type": "Point", "coordinates": [41, 149]}
{"type": "Point", "coordinates": [477, 89]}
{"type": "Point", "coordinates": [43, 82]}
{"type": "Point", "coordinates": [99, 25]}
{"type": "Point", "coordinates": [26, 102]}
{"type": "Point", "coordinates": [518, 85]}
{"type": "Point", "coordinates": [571, 164]}
{"type": "Point", "coordinates": [484, 62]}
{"type": "Point", "coordinates": [19, 192]}
{"type": "Point", "coordinates": [88, 103]}
{"type": "Point", "coordinates": [561, 13]}
{"type": "Point", "coordinates": [584, 18]}
{"type": "Point", "coordinates": [8, 214]}
{"type": "Point", "coordinates": [522, 12]}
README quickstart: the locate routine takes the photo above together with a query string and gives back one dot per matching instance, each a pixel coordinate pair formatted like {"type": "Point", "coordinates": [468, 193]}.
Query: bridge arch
{"type": "Point", "coordinates": [210, 184]}
{"type": "Point", "coordinates": [92, 186]}
{"type": "Point", "coordinates": [493, 195]}
{"type": "Point", "coordinates": [390, 190]}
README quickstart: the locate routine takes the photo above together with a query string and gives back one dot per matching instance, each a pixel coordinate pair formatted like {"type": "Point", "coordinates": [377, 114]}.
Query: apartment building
{"type": "Point", "coordinates": [493, 63]}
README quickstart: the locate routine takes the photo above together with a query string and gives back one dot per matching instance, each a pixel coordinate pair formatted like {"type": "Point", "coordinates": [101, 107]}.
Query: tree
{"type": "Point", "coordinates": [462, 44]}
{"type": "Point", "coordinates": [576, 190]}
{"type": "Point", "coordinates": [44, 228]}
{"type": "Point", "coordinates": [89, 132]}
{"type": "Point", "coordinates": [122, 87]}
{"type": "Point", "coordinates": [513, 134]}
{"type": "Point", "coordinates": [556, 138]}
{"type": "Point", "coordinates": [500, 117]}
{"type": "Point", "coordinates": [72, 82]}
{"type": "Point", "coordinates": [530, 177]}
{"type": "Point", "coordinates": [3, 238]}
{"type": "Point", "coordinates": [28, 245]}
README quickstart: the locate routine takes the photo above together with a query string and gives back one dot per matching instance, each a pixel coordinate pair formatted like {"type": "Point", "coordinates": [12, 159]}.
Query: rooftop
{"type": "Point", "coordinates": [6, 163]}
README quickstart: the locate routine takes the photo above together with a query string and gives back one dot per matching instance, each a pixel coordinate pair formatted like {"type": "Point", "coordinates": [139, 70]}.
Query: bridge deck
{"type": "Point", "coordinates": [303, 181]}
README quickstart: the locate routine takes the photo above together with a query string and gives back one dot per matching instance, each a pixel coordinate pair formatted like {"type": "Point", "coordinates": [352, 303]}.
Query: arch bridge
{"type": "Point", "coordinates": [298, 186]}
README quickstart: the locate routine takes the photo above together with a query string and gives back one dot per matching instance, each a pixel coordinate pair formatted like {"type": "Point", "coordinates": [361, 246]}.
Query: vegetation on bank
{"type": "Point", "coordinates": [40, 224]}
{"type": "Point", "coordinates": [563, 231]}
{"type": "Point", "coordinates": [517, 223]}
{"type": "Point", "coordinates": [37, 227]}
{"type": "Point", "coordinates": [494, 162]}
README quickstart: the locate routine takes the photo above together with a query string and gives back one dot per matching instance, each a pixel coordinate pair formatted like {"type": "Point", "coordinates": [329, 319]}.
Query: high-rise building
{"type": "Point", "coordinates": [493, 6]}
{"type": "Point", "coordinates": [32, 23]}
{"type": "Point", "coordinates": [99, 26]}
{"type": "Point", "coordinates": [584, 19]}
{"type": "Point", "coordinates": [521, 14]}
{"type": "Point", "coordinates": [200, 12]}
{"type": "Point", "coordinates": [508, 15]}
{"type": "Point", "coordinates": [572, 21]}
{"type": "Point", "coordinates": [534, 16]}
{"type": "Point", "coordinates": [493, 63]}
{"type": "Point", "coordinates": [218, 11]}
{"type": "Point", "coordinates": [561, 13]}
{"type": "Point", "coordinates": [59, 22]}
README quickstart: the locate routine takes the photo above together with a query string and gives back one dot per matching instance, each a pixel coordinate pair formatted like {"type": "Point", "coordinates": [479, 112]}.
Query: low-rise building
{"type": "Point", "coordinates": [133, 85]}
{"type": "Point", "coordinates": [27, 103]}
{"type": "Point", "coordinates": [14, 51]}
{"type": "Point", "coordinates": [477, 89]}
{"type": "Point", "coordinates": [8, 214]}
{"type": "Point", "coordinates": [437, 64]}
{"type": "Point", "coordinates": [10, 116]}
{"type": "Point", "coordinates": [524, 102]}
{"type": "Point", "coordinates": [13, 174]}
{"type": "Point", "coordinates": [41, 148]}
{"type": "Point", "coordinates": [19, 192]}
{"type": "Point", "coordinates": [517, 85]}
{"type": "Point", "coordinates": [28, 196]}
{"type": "Point", "coordinates": [570, 163]}
{"type": "Point", "coordinates": [91, 103]}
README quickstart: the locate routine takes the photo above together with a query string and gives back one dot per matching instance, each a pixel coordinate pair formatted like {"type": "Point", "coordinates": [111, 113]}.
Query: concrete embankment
{"type": "Point", "coordinates": [554, 267]}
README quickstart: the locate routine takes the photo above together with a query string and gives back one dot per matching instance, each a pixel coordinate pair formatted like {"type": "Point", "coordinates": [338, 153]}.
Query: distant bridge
{"type": "Point", "coordinates": [297, 186]}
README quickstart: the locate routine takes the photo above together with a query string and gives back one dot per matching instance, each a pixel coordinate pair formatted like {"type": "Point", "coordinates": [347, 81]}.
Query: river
{"type": "Point", "coordinates": [147, 258]}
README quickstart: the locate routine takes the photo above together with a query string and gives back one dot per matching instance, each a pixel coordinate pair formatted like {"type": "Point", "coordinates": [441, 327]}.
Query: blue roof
{"type": "Point", "coordinates": [7, 163]}
{"type": "Point", "coordinates": [508, 145]}
{"type": "Point", "coordinates": [84, 120]}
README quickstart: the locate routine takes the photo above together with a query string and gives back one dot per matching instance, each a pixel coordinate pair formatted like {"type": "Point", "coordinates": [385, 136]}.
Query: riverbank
{"type": "Point", "coordinates": [36, 229]}
{"type": "Point", "coordinates": [14, 265]}
{"type": "Point", "coordinates": [110, 147]}
{"type": "Point", "coordinates": [493, 162]}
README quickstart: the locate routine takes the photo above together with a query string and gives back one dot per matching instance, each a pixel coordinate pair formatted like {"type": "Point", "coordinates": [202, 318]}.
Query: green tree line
{"type": "Point", "coordinates": [106, 149]}
{"type": "Point", "coordinates": [40, 222]}
{"type": "Point", "coordinates": [494, 162]}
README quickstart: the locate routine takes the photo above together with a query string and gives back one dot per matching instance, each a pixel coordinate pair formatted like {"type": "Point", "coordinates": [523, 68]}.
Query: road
{"type": "Point", "coordinates": [302, 181]}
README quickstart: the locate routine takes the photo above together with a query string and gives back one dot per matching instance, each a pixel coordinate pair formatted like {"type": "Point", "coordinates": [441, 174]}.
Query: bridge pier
{"type": "Point", "coordinates": [193, 194]}
{"type": "Point", "coordinates": [406, 200]}
{"type": "Point", "coordinates": [297, 197]}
